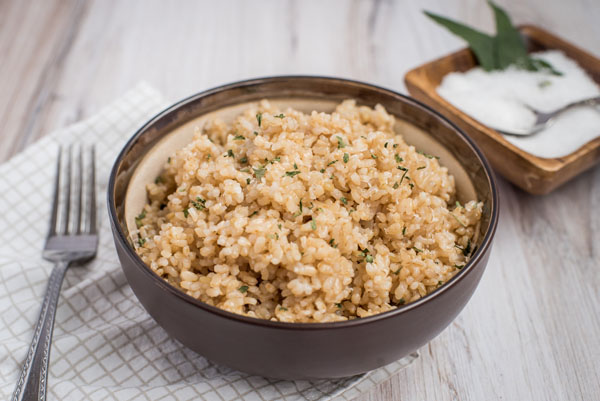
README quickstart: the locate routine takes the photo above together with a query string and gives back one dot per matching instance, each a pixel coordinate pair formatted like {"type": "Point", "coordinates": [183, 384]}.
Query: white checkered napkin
{"type": "Point", "coordinates": [105, 344]}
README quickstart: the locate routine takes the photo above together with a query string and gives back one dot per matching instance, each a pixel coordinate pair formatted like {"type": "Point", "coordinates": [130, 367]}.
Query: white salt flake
{"type": "Point", "coordinates": [499, 99]}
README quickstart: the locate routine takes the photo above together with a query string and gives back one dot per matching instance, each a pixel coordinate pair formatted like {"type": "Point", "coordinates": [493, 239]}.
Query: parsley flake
{"type": "Point", "coordinates": [396, 185]}
{"type": "Point", "coordinates": [344, 201]}
{"type": "Point", "coordinates": [158, 180]}
{"type": "Point", "coordinates": [239, 138]}
{"type": "Point", "coordinates": [259, 172]}
{"type": "Point", "coordinates": [243, 289]}
{"type": "Point", "coordinates": [427, 155]}
{"type": "Point", "coordinates": [186, 213]}
{"type": "Point", "coordinates": [398, 158]}
{"type": "Point", "coordinates": [331, 162]}
{"type": "Point", "coordinates": [369, 259]}
{"type": "Point", "coordinates": [346, 157]}
{"type": "Point", "coordinates": [259, 118]}
{"type": "Point", "coordinates": [141, 241]}
{"type": "Point", "coordinates": [313, 225]}
{"type": "Point", "coordinates": [138, 219]}
{"type": "Point", "coordinates": [280, 116]}
{"type": "Point", "coordinates": [292, 173]}
{"type": "Point", "coordinates": [417, 250]}
{"type": "Point", "coordinates": [230, 154]}
{"type": "Point", "coordinates": [244, 160]}
{"type": "Point", "coordinates": [199, 203]}
{"type": "Point", "coordinates": [373, 156]}
{"type": "Point", "coordinates": [340, 142]}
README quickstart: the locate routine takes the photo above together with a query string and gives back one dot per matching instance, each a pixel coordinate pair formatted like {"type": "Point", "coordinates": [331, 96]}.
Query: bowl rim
{"type": "Point", "coordinates": [121, 238]}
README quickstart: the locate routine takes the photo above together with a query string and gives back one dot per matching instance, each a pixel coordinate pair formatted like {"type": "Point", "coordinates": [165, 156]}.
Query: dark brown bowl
{"type": "Point", "coordinates": [306, 350]}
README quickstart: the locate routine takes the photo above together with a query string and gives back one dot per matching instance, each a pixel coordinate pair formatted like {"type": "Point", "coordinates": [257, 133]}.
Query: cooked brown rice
{"type": "Point", "coordinates": [305, 217]}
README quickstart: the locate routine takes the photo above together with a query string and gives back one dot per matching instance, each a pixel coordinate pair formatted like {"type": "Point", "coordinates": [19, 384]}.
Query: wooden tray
{"type": "Point", "coordinates": [533, 174]}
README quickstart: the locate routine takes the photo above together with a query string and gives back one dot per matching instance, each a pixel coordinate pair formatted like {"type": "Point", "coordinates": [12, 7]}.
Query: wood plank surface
{"type": "Point", "coordinates": [532, 329]}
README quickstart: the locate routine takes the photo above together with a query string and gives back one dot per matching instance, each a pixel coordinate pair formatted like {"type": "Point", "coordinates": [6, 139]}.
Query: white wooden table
{"type": "Point", "coordinates": [532, 329]}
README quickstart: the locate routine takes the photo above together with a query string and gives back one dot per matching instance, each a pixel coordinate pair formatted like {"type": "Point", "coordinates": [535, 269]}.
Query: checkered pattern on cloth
{"type": "Point", "coordinates": [105, 344]}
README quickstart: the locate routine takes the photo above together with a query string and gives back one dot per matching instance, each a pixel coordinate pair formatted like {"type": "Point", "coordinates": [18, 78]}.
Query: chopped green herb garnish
{"type": "Point", "coordinates": [331, 162]}
{"type": "Point", "coordinates": [331, 177]}
{"type": "Point", "coordinates": [208, 157]}
{"type": "Point", "coordinates": [373, 156]}
{"type": "Point", "coordinates": [421, 168]}
{"type": "Point", "coordinates": [404, 230]}
{"type": "Point", "coordinates": [254, 213]}
{"type": "Point", "coordinates": [248, 180]}
{"type": "Point", "coordinates": [199, 203]}
{"type": "Point", "coordinates": [457, 219]}
{"type": "Point", "coordinates": [280, 116]}
{"type": "Point", "coordinates": [259, 118]}
{"type": "Point", "coordinates": [398, 158]}
{"type": "Point", "coordinates": [279, 226]}
{"type": "Point", "coordinates": [339, 305]}
{"type": "Point", "coordinates": [300, 205]}
{"type": "Point", "coordinates": [440, 283]}
{"type": "Point", "coordinates": [369, 259]}
{"type": "Point", "coordinates": [346, 157]}
{"type": "Point", "coordinates": [283, 309]}
{"type": "Point", "coordinates": [320, 209]}
{"type": "Point", "coordinates": [322, 170]}
{"type": "Point", "coordinates": [244, 160]}
{"type": "Point", "coordinates": [396, 185]}
{"type": "Point", "coordinates": [255, 133]}
{"type": "Point", "coordinates": [427, 155]}
{"type": "Point", "coordinates": [138, 219]}
{"type": "Point", "coordinates": [292, 173]}
{"type": "Point", "coordinates": [467, 249]}
{"type": "Point", "coordinates": [417, 250]}
{"type": "Point", "coordinates": [141, 241]}
{"type": "Point", "coordinates": [411, 185]}
{"type": "Point", "coordinates": [295, 166]}
{"type": "Point", "coordinates": [403, 175]}
{"type": "Point", "coordinates": [332, 243]}
{"type": "Point", "coordinates": [458, 204]}
{"type": "Point", "coordinates": [239, 138]}
{"type": "Point", "coordinates": [243, 289]}
{"type": "Point", "coordinates": [344, 201]}
{"type": "Point", "coordinates": [245, 170]}
{"type": "Point", "coordinates": [459, 266]}
{"type": "Point", "coordinates": [340, 142]}
{"type": "Point", "coordinates": [276, 159]}
{"type": "Point", "coordinates": [186, 213]}
{"type": "Point", "coordinates": [169, 159]}
{"type": "Point", "coordinates": [230, 154]}
{"type": "Point", "coordinates": [351, 211]}
{"type": "Point", "coordinates": [259, 172]}
{"type": "Point", "coordinates": [313, 224]}
{"type": "Point", "coordinates": [401, 301]}
{"type": "Point", "coordinates": [385, 146]}
{"type": "Point", "coordinates": [274, 236]}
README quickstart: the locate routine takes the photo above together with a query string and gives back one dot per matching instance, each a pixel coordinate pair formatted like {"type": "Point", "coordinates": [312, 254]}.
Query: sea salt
{"type": "Point", "coordinates": [499, 98]}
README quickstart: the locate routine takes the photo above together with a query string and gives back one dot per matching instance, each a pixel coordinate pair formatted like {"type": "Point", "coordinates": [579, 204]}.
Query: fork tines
{"type": "Point", "coordinates": [74, 203]}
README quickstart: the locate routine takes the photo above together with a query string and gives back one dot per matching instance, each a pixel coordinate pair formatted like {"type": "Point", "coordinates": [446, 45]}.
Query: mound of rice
{"type": "Point", "coordinates": [305, 218]}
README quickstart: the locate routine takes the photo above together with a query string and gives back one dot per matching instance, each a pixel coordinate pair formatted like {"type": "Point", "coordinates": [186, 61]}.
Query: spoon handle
{"type": "Point", "coordinates": [594, 101]}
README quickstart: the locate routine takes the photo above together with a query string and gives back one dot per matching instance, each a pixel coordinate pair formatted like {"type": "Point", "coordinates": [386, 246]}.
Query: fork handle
{"type": "Point", "coordinates": [34, 373]}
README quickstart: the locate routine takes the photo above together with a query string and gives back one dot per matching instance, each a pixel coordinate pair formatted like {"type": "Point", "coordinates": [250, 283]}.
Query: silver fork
{"type": "Point", "coordinates": [72, 238]}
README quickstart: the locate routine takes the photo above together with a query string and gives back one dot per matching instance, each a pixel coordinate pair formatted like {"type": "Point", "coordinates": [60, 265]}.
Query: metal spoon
{"type": "Point", "coordinates": [543, 120]}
